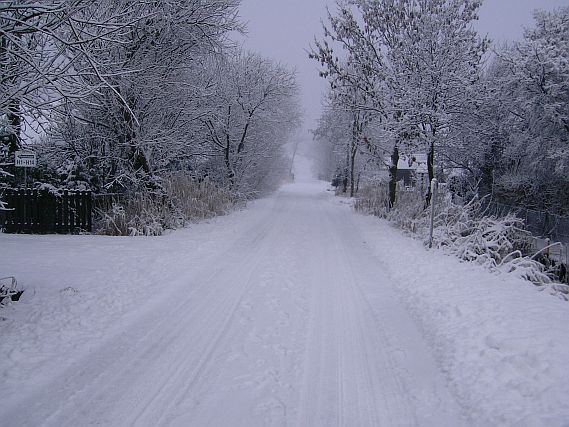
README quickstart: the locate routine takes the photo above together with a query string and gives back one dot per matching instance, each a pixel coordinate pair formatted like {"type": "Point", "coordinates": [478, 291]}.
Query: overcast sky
{"type": "Point", "coordinates": [284, 29]}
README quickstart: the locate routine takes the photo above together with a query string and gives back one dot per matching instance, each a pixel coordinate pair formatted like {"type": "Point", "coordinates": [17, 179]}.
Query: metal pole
{"type": "Point", "coordinates": [433, 202]}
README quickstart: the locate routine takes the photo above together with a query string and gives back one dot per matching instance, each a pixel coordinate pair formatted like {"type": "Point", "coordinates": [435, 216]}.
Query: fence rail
{"type": "Point", "coordinates": [42, 211]}
{"type": "Point", "coordinates": [542, 224]}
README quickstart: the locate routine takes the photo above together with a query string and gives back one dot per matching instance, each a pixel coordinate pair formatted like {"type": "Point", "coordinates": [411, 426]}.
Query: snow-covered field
{"type": "Point", "coordinates": [295, 311]}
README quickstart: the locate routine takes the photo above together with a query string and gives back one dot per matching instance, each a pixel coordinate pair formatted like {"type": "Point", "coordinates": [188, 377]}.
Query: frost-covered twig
{"type": "Point", "coordinates": [546, 248]}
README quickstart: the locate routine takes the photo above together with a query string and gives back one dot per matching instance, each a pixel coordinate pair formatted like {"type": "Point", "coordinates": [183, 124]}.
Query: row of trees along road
{"type": "Point", "coordinates": [411, 77]}
{"type": "Point", "coordinates": [120, 95]}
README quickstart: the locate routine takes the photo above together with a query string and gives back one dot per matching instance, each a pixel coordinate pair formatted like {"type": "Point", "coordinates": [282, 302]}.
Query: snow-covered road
{"type": "Point", "coordinates": [292, 323]}
{"type": "Point", "coordinates": [293, 312]}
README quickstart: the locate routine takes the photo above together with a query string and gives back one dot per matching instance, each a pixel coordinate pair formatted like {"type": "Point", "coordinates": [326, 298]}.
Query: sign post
{"type": "Point", "coordinates": [25, 159]}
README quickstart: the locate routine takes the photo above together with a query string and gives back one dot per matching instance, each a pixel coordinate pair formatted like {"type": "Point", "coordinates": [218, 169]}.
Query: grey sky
{"type": "Point", "coordinates": [284, 29]}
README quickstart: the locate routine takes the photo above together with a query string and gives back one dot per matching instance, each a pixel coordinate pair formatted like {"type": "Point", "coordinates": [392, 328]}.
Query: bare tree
{"type": "Point", "coordinates": [255, 109]}
{"type": "Point", "coordinates": [412, 60]}
{"type": "Point", "coordinates": [139, 122]}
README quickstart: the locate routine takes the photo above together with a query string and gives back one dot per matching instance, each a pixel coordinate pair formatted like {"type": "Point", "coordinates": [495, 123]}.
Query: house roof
{"type": "Point", "coordinates": [415, 162]}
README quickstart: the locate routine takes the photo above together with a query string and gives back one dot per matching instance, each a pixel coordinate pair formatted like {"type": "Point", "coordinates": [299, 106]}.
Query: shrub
{"type": "Point", "coordinates": [180, 200]}
{"type": "Point", "coordinates": [499, 244]}
{"type": "Point", "coordinates": [195, 200]}
{"type": "Point", "coordinates": [137, 215]}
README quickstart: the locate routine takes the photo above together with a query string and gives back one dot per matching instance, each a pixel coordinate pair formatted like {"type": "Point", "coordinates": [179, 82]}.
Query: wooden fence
{"type": "Point", "coordinates": [41, 211]}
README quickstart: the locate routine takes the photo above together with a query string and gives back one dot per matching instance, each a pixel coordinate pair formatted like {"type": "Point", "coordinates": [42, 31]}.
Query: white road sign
{"type": "Point", "coordinates": [26, 159]}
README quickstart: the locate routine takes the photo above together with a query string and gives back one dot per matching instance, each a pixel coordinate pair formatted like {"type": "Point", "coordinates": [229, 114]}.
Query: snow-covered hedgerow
{"type": "Point", "coordinates": [195, 200]}
{"type": "Point", "coordinates": [373, 199]}
{"type": "Point", "coordinates": [179, 201]}
{"type": "Point", "coordinates": [408, 212]}
{"type": "Point", "coordinates": [499, 244]}
{"type": "Point", "coordinates": [139, 215]}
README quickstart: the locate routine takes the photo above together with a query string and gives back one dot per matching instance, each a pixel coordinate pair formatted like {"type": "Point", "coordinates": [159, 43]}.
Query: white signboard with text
{"type": "Point", "coordinates": [25, 159]}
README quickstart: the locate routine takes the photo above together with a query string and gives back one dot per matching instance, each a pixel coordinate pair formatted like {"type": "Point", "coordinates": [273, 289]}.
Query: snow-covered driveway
{"type": "Point", "coordinates": [293, 322]}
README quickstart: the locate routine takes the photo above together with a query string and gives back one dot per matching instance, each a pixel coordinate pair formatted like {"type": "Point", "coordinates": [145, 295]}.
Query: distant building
{"type": "Point", "coordinates": [412, 170]}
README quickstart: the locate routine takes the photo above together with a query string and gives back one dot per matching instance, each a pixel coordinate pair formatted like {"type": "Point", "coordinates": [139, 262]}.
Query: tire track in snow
{"type": "Point", "coordinates": [364, 368]}
{"type": "Point", "coordinates": [162, 408]}
{"type": "Point", "coordinates": [253, 385]}
{"type": "Point", "coordinates": [169, 403]}
{"type": "Point", "coordinates": [422, 397]}
{"type": "Point", "coordinates": [334, 368]}
{"type": "Point", "coordinates": [390, 411]}
{"type": "Point", "coordinates": [240, 345]}
{"type": "Point", "coordinates": [150, 348]}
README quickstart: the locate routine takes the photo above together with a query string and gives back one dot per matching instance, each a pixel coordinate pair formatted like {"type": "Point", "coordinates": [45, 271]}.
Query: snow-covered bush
{"type": "Point", "coordinates": [408, 212]}
{"type": "Point", "coordinates": [373, 199]}
{"type": "Point", "coordinates": [195, 200]}
{"type": "Point", "coordinates": [180, 200]}
{"type": "Point", "coordinates": [475, 236]}
{"type": "Point", "coordinates": [499, 244]}
{"type": "Point", "coordinates": [136, 216]}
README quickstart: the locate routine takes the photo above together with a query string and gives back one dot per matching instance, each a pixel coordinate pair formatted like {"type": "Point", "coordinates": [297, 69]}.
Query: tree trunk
{"type": "Point", "coordinates": [227, 159]}
{"type": "Point", "coordinates": [14, 115]}
{"type": "Point", "coordinates": [431, 172]}
{"type": "Point", "coordinates": [491, 160]}
{"type": "Point", "coordinates": [138, 158]}
{"type": "Point", "coordinates": [352, 169]}
{"type": "Point", "coordinates": [393, 176]}
{"type": "Point", "coordinates": [14, 118]}
{"type": "Point", "coordinates": [353, 150]}
{"type": "Point", "coordinates": [353, 153]}
{"type": "Point", "coordinates": [346, 172]}
{"type": "Point", "coordinates": [241, 145]}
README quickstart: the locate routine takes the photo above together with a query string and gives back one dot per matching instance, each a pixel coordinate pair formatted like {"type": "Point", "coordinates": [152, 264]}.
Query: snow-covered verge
{"type": "Point", "coordinates": [500, 244]}
{"type": "Point", "coordinates": [503, 346]}
{"type": "Point", "coordinates": [77, 288]}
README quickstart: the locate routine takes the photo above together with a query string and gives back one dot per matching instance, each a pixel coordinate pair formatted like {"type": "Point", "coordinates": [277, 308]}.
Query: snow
{"type": "Point", "coordinates": [501, 343]}
{"type": "Point", "coordinates": [295, 311]}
